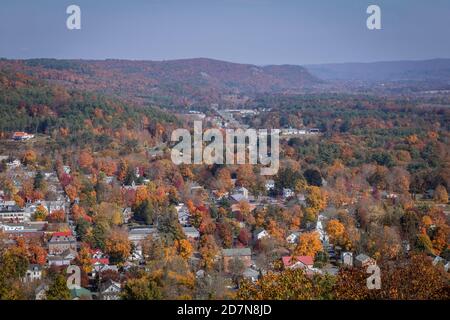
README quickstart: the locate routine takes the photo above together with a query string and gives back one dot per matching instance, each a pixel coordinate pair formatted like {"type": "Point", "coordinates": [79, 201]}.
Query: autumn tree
{"type": "Point", "coordinates": [29, 157]}
{"type": "Point", "coordinates": [13, 265]}
{"type": "Point", "coordinates": [440, 194]}
{"type": "Point", "coordinates": [335, 230]}
{"type": "Point", "coordinates": [208, 250]}
{"type": "Point", "coordinates": [85, 160]}
{"type": "Point", "coordinates": [117, 245]}
{"type": "Point", "coordinates": [184, 248]}
{"type": "Point", "coordinates": [58, 289]}
{"type": "Point", "coordinates": [316, 201]}
{"type": "Point", "coordinates": [308, 244]}
{"type": "Point", "coordinates": [84, 259]}
{"type": "Point", "coordinates": [37, 254]}
{"type": "Point", "coordinates": [41, 213]}
{"type": "Point", "coordinates": [143, 288]}
{"type": "Point", "coordinates": [287, 285]}
{"type": "Point", "coordinates": [57, 216]}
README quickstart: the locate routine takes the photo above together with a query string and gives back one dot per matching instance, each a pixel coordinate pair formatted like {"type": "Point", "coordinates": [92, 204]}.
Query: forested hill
{"type": "Point", "coordinates": [72, 117]}
{"type": "Point", "coordinates": [424, 70]}
{"type": "Point", "coordinates": [177, 82]}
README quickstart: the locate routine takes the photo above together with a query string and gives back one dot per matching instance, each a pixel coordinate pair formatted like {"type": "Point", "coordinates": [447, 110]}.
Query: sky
{"type": "Point", "coordinates": [246, 31]}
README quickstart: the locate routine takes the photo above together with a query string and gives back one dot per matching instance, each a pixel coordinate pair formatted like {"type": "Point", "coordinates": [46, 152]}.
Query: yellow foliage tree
{"type": "Point", "coordinates": [308, 244]}
{"type": "Point", "coordinates": [335, 230]}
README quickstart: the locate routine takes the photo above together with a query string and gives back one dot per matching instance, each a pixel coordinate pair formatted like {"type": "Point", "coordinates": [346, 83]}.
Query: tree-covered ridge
{"type": "Point", "coordinates": [187, 82]}
{"type": "Point", "coordinates": [35, 106]}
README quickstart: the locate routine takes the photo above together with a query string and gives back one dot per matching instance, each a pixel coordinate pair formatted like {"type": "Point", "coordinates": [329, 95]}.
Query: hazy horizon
{"type": "Point", "coordinates": [236, 62]}
{"type": "Point", "coordinates": [260, 32]}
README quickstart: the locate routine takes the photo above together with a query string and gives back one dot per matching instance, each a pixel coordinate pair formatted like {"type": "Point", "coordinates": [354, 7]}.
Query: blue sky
{"type": "Point", "coordinates": [247, 31]}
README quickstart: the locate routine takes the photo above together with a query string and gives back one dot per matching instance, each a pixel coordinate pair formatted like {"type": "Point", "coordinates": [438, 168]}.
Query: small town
{"type": "Point", "coordinates": [224, 158]}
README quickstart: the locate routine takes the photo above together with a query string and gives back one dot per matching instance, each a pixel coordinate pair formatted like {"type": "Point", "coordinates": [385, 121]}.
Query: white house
{"type": "Point", "coordinates": [251, 274]}
{"type": "Point", "coordinates": [110, 290]}
{"type": "Point", "coordinates": [64, 259]}
{"type": "Point", "coordinates": [41, 292]}
{"type": "Point", "coordinates": [270, 185]}
{"type": "Point", "coordinates": [14, 164]}
{"type": "Point", "coordinates": [240, 194]}
{"type": "Point", "coordinates": [293, 237]}
{"type": "Point", "coordinates": [183, 214]}
{"type": "Point", "coordinates": [191, 232]}
{"type": "Point", "coordinates": [127, 214]}
{"type": "Point", "coordinates": [347, 258]}
{"type": "Point", "coordinates": [260, 234]}
{"type": "Point", "coordinates": [33, 273]}
{"type": "Point", "coordinates": [288, 193]}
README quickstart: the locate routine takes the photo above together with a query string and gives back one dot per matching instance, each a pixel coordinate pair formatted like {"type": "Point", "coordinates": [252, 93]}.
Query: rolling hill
{"type": "Point", "coordinates": [187, 81]}
{"type": "Point", "coordinates": [423, 70]}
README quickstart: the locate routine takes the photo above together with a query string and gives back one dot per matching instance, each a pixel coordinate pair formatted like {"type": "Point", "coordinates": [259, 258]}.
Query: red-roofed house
{"type": "Point", "coordinates": [97, 254]}
{"type": "Point", "coordinates": [22, 136]}
{"type": "Point", "coordinates": [304, 262]}
{"type": "Point", "coordinates": [99, 262]}
{"type": "Point", "coordinates": [62, 241]}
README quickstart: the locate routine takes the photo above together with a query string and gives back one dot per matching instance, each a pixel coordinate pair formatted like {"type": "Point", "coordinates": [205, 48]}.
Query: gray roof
{"type": "Point", "coordinates": [362, 257]}
{"type": "Point", "coordinates": [236, 252]}
{"type": "Point", "coordinates": [251, 273]}
{"type": "Point", "coordinates": [142, 231]}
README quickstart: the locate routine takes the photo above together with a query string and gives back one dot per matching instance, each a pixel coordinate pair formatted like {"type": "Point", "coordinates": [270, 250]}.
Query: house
{"type": "Point", "coordinates": [191, 233]}
{"type": "Point", "coordinates": [22, 136]}
{"type": "Point", "coordinates": [104, 268]}
{"type": "Point", "coordinates": [293, 237]}
{"type": "Point", "coordinates": [30, 230]}
{"type": "Point", "coordinates": [139, 234]}
{"type": "Point", "coordinates": [240, 194]}
{"type": "Point", "coordinates": [63, 259]}
{"type": "Point", "coordinates": [304, 262]}
{"type": "Point", "coordinates": [110, 290]}
{"type": "Point", "coordinates": [438, 260]}
{"type": "Point", "coordinates": [362, 260]}
{"type": "Point", "coordinates": [288, 193]}
{"type": "Point", "coordinates": [14, 164]}
{"type": "Point", "coordinates": [126, 215]}
{"type": "Point", "coordinates": [41, 292]}
{"type": "Point", "coordinates": [251, 274]}
{"type": "Point", "coordinates": [243, 254]}
{"type": "Point", "coordinates": [347, 258]}
{"type": "Point", "coordinates": [33, 273]}
{"type": "Point", "coordinates": [97, 254]}
{"type": "Point", "coordinates": [66, 169]}
{"type": "Point", "coordinates": [183, 214]}
{"type": "Point", "coordinates": [270, 185]}
{"type": "Point", "coordinates": [10, 212]}
{"type": "Point", "coordinates": [99, 263]}
{"type": "Point", "coordinates": [60, 242]}
{"type": "Point", "coordinates": [49, 205]}
{"type": "Point", "coordinates": [260, 234]}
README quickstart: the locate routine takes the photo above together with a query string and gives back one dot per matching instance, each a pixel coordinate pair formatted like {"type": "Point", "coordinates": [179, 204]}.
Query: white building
{"type": "Point", "coordinates": [183, 214]}
{"type": "Point", "coordinates": [288, 193]}
{"type": "Point", "coordinates": [270, 185]}
{"type": "Point", "coordinates": [33, 273]}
